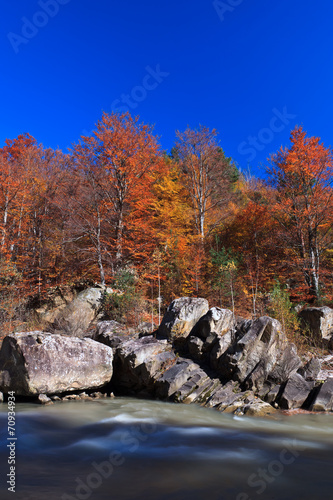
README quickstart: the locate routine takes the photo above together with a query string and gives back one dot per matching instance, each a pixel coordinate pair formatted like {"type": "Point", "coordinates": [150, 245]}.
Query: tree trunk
{"type": "Point", "coordinates": [314, 273]}
{"type": "Point", "coordinates": [119, 239]}
{"type": "Point", "coordinates": [5, 217]}
{"type": "Point", "coordinates": [202, 222]}
{"type": "Point", "coordinates": [99, 251]}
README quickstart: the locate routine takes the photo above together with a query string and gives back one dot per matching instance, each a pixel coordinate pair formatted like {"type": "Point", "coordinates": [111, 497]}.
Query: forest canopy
{"type": "Point", "coordinates": [117, 209]}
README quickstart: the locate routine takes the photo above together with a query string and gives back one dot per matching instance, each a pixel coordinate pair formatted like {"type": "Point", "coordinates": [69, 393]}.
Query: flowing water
{"type": "Point", "coordinates": [145, 450]}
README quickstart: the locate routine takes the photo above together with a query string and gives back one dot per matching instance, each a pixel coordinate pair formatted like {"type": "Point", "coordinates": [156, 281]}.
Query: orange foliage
{"type": "Point", "coordinates": [303, 205]}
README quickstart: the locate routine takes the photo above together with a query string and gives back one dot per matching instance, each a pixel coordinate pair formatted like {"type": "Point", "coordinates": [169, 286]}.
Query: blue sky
{"type": "Point", "coordinates": [252, 69]}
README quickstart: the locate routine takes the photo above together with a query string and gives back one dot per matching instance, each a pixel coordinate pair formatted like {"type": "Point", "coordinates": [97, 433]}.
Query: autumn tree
{"type": "Point", "coordinates": [250, 235]}
{"type": "Point", "coordinates": [17, 158]}
{"type": "Point", "coordinates": [89, 223]}
{"type": "Point", "coordinates": [29, 246]}
{"type": "Point", "coordinates": [208, 175]}
{"type": "Point", "coordinates": [48, 256]}
{"type": "Point", "coordinates": [173, 229]}
{"type": "Point", "coordinates": [20, 160]}
{"type": "Point", "coordinates": [116, 167]}
{"type": "Point", "coordinates": [302, 178]}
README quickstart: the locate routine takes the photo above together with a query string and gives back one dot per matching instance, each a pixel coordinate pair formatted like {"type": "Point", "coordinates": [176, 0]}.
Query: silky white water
{"type": "Point", "coordinates": [136, 449]}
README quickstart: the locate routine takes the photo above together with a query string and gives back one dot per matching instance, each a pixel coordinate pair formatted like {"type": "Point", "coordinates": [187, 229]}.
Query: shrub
{"type": "Point", "coordinates": [281, 308]}
{"type": "Point", "coordinates": [123, 302]}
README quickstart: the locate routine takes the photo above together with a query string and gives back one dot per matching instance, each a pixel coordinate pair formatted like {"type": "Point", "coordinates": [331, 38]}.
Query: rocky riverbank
{"type": "Point", "coordinates": [198, 355]}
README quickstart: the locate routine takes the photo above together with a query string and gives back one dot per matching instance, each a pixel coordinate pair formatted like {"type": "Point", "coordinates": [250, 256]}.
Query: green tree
{"type": "Point", "coordinates": [281, 308]}
{"type": "Point", "coordinates": [225, 264]}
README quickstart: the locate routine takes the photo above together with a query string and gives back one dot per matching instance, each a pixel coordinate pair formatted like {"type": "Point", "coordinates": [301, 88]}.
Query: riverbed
{"type": "Point", "coordinates": [126, 448]}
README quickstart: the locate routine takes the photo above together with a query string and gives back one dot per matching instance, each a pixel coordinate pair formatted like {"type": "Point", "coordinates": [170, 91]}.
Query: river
{"type": "Point", "coordinates": [126, 448]}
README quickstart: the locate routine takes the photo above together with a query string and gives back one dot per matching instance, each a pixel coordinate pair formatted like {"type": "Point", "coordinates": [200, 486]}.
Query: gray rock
{"type": "Point", "coordinates": [204, 391]}
{"type": "Point", "coordinates": [55, 398]}
{"type": "Point", "coordinates": [150, 366]}
{"type": "Point", "coordinates": [255, 353]}
{"type": "Point", "coordinates": [296, 392]}
{"type": "Point", "coordinates": [318, 322]}
{"type": "Point", "coordinates": [258, 408]}
{"type": "Point", "coordinates": [272, 395]}
{"type": "Point", "coordinates": [112, 333]}
{"type": "Point", "coordinates": [264, 390]}
{"type": "Point", "coordinates": [181, 316]}
{"type": "Point", "coordinates": [145, 329]}
{"type": "Point", "coordinates": [195, 347]}
{"type": "Point", "coordinates": [96, 395]}
{"type": "Point", "coordinates": [324, 399]}
{"type": "Point", "coordinates": [242, 326]}
{"type": "Point", "coordinates": [225, 396]}
{"type": "Point", "coordinates": [216, 321]}
{"type": "Point", "coordinates": [84, 395]}
{"type": "Point", "coordinates": [44, 400]}
{"type": "Point", "coordinates": [151, 370]}
{"type": "Point", "coordinates": [311, 369]}
{"type": "Point", "coordinates": [327, 368]}
{"type": "Point", "coordinates": [186, 393]}
{"type": "Point", "coordinates": [220, 347]}
{"type": "Point", "coordinates": [71, 397]}
{"type": "Point", "coordinates": [243, 403]}
{"type": "Point", "coordinates": [44, 363]}
{"type": "Point", "coordinates": [174, 378]}
{"type": "Point", "coordinates": [256, 379]}
{"type": "Point", "coordinates": [77, 316]}
{"type": "Point", "coordinates": [109, 327]}
{"type": "Point", "coordinates": [298, 308]}
{"type": "Point", "coordinates": [288, 362]}
{"type": "Point", "coordinates": [214, 325]}
{"type": "Point", "coordinates": [140, 361]}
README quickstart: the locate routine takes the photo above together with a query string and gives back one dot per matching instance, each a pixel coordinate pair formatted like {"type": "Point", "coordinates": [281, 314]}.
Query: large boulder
{"type": "Point", "coordinates": [174, 378]}
{"type": "Point", "coordinates": [318, 321]}
{"type": "Point", "coordinates": [198, 389]}
{"type": "Point", "coordinates": [149, 366]}
{"type": "Point", "coordinates": [186, 382]}
{"type": "Point", "coordinates": [324, 398]}
{"type": "Point", "coordinates": [77, 316]}
{"type": "Point", "coordinates": [219, 348]}
{"type": "Point", "coordinates": [215, 322]}
{"type": "Point", "coordinates": [311, 370]}
{"type": "Point", "coordinates": [211, 327]}
{"type": "Point", "coordinates": [253, 356]}
{"type": "Point", "coordinates": [226, 342]}
{"type": "Point", "coordinates": [44, 363]}
{"type": "Point", "coordinates": [139, 362]}
{"type": "Point", "coordinates": [57, 301]}
{"type": "Point", "coordinates": [112, 333]}
{"type": "Point", "coordinates": [287, 363]}
{"type": "Point", "coordinates": [181, 316]}
{"type": "Point", "coordinates": [296, 392]}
